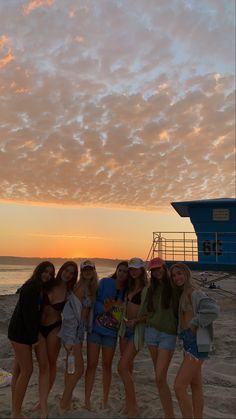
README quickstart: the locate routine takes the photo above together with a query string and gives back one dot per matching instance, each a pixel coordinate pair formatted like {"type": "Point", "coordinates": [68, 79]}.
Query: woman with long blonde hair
{"type": "Point", "coordinates": [77, 320]}
{"type": "Point", "coordinates": [197, 311]}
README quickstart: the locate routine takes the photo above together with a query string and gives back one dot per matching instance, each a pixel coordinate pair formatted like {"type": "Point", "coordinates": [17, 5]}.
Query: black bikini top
{"type": "Point", "coordinates": [57, 306]}
{"type": "Point", "coordinates": [136, 299]}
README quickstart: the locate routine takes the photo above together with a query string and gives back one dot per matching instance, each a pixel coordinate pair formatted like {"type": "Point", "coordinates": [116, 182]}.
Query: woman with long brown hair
{"type": "Point", "coordinates": [131, 330]}
{"type": "Point", "coordinates": [23, 331]}
{"type": "Point", "coordinates": [161, 328]}
{"type": "Point", "coordinates": [108, 312]}
{"type": "Point", "coordinates": [54, 299]}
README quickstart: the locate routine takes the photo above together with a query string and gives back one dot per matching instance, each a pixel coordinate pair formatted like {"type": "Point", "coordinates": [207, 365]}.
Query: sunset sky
{"type": "Point", "coordinates": [109, 111]}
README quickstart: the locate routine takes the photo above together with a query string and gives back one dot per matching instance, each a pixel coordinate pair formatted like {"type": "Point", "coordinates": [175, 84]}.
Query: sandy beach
{"type": "Point", "coordinates": [219, 372]}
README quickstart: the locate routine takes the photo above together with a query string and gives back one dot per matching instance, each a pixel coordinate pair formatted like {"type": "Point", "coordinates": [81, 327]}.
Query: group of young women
{"type": "Point", "coordinates": [129, 308]}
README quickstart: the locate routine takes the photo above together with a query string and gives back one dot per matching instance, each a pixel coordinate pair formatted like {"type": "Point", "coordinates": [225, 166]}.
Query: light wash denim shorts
{"type": "Point", "coordinates": [161, 339]}
{"type": "Point", "coordinates": [102, 340]}
{"type": "Point", "coordinates": [190, 344]}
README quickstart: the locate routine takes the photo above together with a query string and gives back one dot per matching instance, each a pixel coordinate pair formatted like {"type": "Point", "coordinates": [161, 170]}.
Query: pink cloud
{"type": "Point", "coordinates": [36, 4]}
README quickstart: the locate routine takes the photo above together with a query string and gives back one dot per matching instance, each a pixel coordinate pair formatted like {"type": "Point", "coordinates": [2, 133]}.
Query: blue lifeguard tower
{"type": "Point", "coordinates": [212, 244]}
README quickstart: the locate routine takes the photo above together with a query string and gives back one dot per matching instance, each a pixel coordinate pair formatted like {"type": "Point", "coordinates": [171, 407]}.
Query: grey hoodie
{"type": "Point", "coordinates": [205, 310]}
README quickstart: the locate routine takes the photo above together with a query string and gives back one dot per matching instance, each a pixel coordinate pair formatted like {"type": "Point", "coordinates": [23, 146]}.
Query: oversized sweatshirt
{"type": "Point", "coordinates": [24, 323]}
{"type": "Point", "coordinates": [71, 320]}
{"type": "Point", "coordinates": [108, 309]}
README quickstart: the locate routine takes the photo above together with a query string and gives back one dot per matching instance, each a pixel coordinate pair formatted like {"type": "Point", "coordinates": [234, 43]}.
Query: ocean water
{"type": "Point", "coordinates": [13, 276]}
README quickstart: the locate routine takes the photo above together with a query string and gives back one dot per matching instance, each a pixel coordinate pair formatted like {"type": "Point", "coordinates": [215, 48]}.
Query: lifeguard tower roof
{"type": "Point", "coordinates": [182, 208]}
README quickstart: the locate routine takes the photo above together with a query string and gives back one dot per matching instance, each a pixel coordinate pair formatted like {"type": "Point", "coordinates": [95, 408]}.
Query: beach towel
{"type": "Point", "coordinates": [5, 378]}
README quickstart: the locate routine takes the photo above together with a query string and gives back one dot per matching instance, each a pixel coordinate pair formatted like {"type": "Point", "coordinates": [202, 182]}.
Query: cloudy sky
{"type": "Point", "coordinates": [110, 110]}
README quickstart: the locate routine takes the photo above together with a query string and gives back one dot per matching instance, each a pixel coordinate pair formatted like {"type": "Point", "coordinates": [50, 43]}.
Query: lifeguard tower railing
{"type": "Point", "coordinates": [215, 252]}
{"type": "Point", "coordinates": [188, 247]}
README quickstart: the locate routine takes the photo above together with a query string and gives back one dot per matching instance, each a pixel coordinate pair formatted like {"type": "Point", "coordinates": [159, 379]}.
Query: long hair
{"type": "Point", "coordinates": [36, 275]}
{"type": "Point", "coordinates": [70, 284]}
{"type": "Point", "coordinates": [166, 292]}
{"type": "Point", "coordinates": [93, 283]}
{"type": "Point", "coordinates": [114, 275]}
{"type": "Point", "coordinates": [143, 280]}
{"type": "Point", "coordinates": [122, 263]}
{"type": "Point", "coordinates": [188, 283]}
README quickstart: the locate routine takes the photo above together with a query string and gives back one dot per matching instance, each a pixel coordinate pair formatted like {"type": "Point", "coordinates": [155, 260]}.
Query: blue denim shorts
{"type": "Point", "coordinates": [161, 339]}
{"type": "Point", "coordinates": [129, 333]}
{"type": "Point", "coordinates": [101, 340]}
{"type": "Point", "coordinates": [190, 344]}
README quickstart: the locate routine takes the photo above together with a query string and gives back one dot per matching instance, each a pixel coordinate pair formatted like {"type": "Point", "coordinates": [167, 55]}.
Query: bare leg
{"type": "Point", "coordinates": [153, 350]}
{"type": "Point", "coordinates": [16, 373]}
{"type": "Point", "coordinates": [93, 351]}
{"type": "Point", "coordinates": [124, 371]}
{"type": "Point", "coordinates": [53, 349]}
{"type": "Point", "coordinates": [107, 357]}
{"type": "Point", "coordinates": [123, 345]}
{"type": "Point", "coordinates": [24, 369]}
{"type": "Point", "coordinates": [197, 395]}
{"type": "Point", "coordinates": [70, 380]}
{"type": "Point", "coordinates": [47, 353]}
{"type": "Point", "coordinates": [42, 357]}
{"type": "Point", "coordinates": [188, 371]}
{"type": "Point", "coordinates": [162, 364]}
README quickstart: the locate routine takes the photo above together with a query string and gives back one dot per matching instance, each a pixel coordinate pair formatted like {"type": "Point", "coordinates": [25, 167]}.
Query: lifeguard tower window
{"type": "Point", "coordinates": [221, 214]}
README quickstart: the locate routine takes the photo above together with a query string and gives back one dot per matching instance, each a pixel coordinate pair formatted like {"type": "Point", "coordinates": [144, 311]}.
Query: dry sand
{"type": "Point", "coordinates": [219, 372]}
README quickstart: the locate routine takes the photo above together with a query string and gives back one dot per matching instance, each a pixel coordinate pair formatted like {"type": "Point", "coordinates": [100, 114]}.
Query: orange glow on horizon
{"type": "Point", "coordinates": [115, 207]}
{"type": "Point", "coordinates": [71, 252]}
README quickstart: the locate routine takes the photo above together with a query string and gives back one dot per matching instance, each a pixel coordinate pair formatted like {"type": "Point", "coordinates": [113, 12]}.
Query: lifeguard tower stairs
{"type": "Point", "coordinates": [212, 244]}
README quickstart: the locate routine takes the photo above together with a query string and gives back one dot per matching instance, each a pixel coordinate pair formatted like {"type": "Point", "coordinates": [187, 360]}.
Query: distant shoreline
{"type": "Point", "coordinates": [18, 260]}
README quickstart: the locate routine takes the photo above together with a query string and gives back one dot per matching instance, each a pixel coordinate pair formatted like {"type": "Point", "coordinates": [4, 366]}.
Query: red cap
{"type": "Point", "coordinates": [156, 263]}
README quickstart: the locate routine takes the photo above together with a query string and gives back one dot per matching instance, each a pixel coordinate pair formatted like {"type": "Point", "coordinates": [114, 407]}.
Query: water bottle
{"type": "Point", "coordinates": [71, 364]}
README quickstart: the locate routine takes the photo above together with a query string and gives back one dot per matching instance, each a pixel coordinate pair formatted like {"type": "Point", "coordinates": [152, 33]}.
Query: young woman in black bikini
{"type": "Point", "coordinates": [49, 346]}
{"type": "Point", "coordinates": [23, 332]}
{"type": "Point", "coordinates": [132, 331]}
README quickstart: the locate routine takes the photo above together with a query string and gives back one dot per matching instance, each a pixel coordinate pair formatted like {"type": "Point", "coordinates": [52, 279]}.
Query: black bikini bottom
{"type": "Point", "coordinates": [45, 330]}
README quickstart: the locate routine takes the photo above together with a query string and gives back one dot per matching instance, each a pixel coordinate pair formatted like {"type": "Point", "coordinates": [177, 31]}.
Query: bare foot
{"type": "Point", "coordinates": [43, 414]}
{"type": "Point", "coordinates": [104, 405]}
{"type": "Point", "coordinates": [36, 407]}
{"type": "Point", "coordinates": [87, 406]}
{"type": "Point", "coordinates": [132, 412]}
{"type": "Point", "coordinates": [124, 410]}
{"type": "Point", "coordinates": [62, 410]}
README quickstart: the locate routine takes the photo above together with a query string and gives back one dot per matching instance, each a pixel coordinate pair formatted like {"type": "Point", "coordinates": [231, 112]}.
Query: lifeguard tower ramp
{"type": "Point", "coordinates": [212, 244]}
